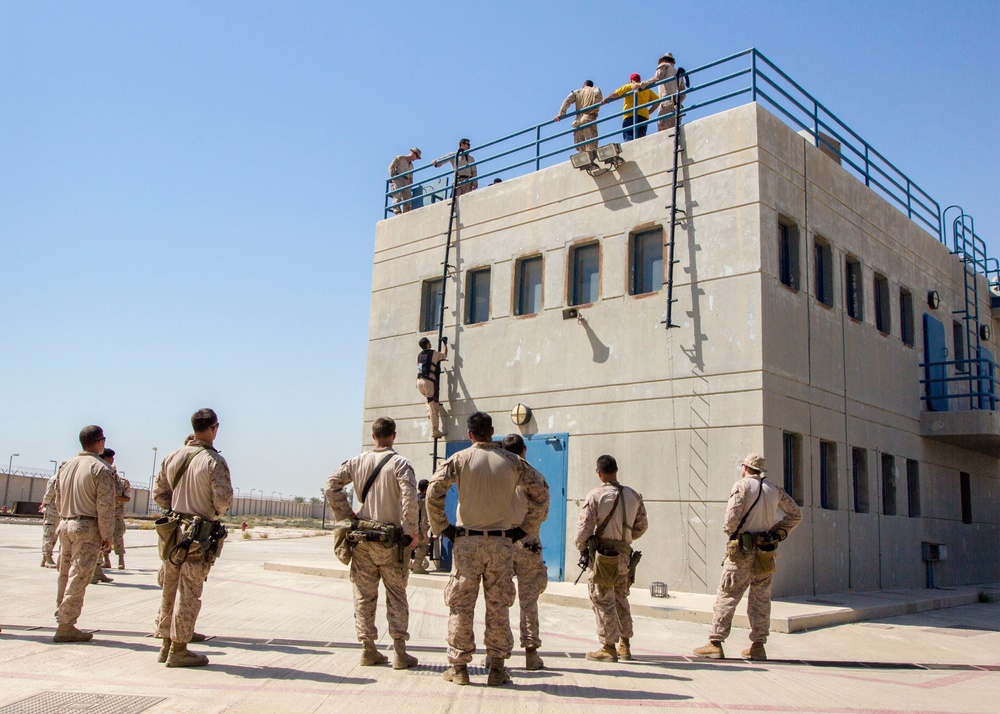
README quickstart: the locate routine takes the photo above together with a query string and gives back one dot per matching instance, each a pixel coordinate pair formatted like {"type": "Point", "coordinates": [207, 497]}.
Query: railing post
{"type": "Point", "coordinates": [909, 205]}
{"type": "Point", "coordinates": [868, 170]}
{"type": "Point", "coordinates": [538, 147]}
{"type": "Point", "coordinates": [753, 74]}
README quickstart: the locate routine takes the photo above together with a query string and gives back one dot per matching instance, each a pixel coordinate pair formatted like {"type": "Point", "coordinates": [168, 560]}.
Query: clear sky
{"type": "Point", "coordinates": [189, 190]}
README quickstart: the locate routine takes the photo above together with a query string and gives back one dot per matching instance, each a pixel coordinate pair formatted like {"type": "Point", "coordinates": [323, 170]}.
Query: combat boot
{"type": "Point", "coordinates": [107, 561]}
{"type": "Point", "coordinates": [498, 674]}
{"type": "Point", "coordinates": [198, 637]}
{"type": "Point", "coordinates": [181, 656]}
{"type": "Point", "coordinates": [755, 652]}
{"type": "Point", "coordinates": [164, 650]}
{"type": "Point", "coordinates": [69, 633]}
{"type": "Point", "coordinates": [531, 659]}
{"type": "Point", "coordinates": [100, 577]}
{"type": "Point", "coordinates": [624, 649]}
{"type": "Point", "coordinates": [401, 660]}
{"type": "Point", "coordinates": [713, 650]}
{"type": "Point", "coordinates": [457, 673]}
{"type": "Point", "coordinates": [121, 562]}
{"type": "Point", "coordinates": [47, 562]}
{"type": "Point", "coordinates": [607, 653]}
{"type": "Point", "coordinates": [371, 656]}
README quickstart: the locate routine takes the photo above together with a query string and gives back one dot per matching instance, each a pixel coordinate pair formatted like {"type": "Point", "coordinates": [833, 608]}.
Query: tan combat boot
{"type": "Point", "coordinates": [47, 562]}
{"type": "Point", "coordinates": [531, 659]}
{"type": "Point", "coordinates": [607, 653]}
{"type": "Point", "coordinates": [164, 650]}
{"type": "Point", "coordinates": [624, 649]}
{"type": "Point", "coordinates": [100, 577]}
{"type": "Point", "coordinates": [121, 562]}
{"type": "Point", "coordinates": [371, 656]}
{"type": "Point", "coordinates": [181, 656]}
{"type": "Point", "coordinates": [457, 673]}
{"type": "Point", "coordinates": [198, 637]}
{"type": "Point", "coordinates": [498, 674]}
{"type": "Point", "coordinates": [107, 561]}
{"type": "Point", "coordinates": [401, 660]}
{"type": "Point", "coordinates": [69, 633]}
{"type": "Point", "coordinates": [713, 650]}
{"type": "Point", "coordinates": [755, 652]}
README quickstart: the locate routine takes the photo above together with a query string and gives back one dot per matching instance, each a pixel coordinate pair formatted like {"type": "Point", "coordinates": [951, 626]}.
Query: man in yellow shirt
{"type": "Point", "coordinates": [634, 97]}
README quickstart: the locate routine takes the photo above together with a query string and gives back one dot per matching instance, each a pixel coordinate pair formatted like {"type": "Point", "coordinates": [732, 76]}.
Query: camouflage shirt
{"type": "Point", "coordinates": [204, 489]}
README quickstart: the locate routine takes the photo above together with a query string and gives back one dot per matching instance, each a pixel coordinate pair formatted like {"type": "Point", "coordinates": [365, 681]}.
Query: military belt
{"type": "Point", "coordinates": [81, 518]}
{"type": "Point", "coordinates": [493, 534]}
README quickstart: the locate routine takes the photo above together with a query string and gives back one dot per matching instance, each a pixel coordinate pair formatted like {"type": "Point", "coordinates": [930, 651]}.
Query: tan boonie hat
{"type": "Point", "coordinates": [755, 462]}
{"type": "Point", "coordinates": [416, 151]}
{"type": "Point", "coordinates": [667, 56]}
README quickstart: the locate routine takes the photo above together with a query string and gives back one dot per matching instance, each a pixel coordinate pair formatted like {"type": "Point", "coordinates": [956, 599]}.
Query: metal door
{"type": "Point", "coordinates": [935, 354]}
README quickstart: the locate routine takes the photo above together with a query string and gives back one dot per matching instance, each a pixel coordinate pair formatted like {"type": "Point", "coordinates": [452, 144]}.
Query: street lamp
{"type": "Point", "coordinates": [280, 495]}
{"type": "Point", "coordinates": [55, 466]}
{"type": "Point", "coordinates": [6, 486]}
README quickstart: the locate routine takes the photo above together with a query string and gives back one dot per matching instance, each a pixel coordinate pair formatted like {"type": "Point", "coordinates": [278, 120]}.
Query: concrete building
{"type": "Point", "coordinates": [806, 304]}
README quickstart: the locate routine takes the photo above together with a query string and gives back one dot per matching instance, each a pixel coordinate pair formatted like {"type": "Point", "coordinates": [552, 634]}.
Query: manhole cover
{"type": "Point", "coordinates": [74, 703]}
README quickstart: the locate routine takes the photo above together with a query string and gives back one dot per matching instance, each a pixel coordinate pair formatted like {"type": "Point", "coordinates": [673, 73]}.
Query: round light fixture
{"type": "Point", "coordinates": [933, 299]}
{"type": "Point", "coordinates": [985, 332]}
{"type": "Point", "coordinates": [520, 415]}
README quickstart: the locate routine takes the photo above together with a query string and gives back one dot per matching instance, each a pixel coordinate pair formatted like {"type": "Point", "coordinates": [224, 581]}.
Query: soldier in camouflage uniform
{"type": "Point", "coordinates": [400, 184]}
{"type": "Point", "coordinates": [487, 478]}
{"type": "Point", "coordinates": [753, 507]}
{"type": "Point", "coordinates": [617, 515]}
{"type": "Point", "coordinates": [50, 523]}
{"type": "Point", "coordinates": [123, 496]}
{"type": "Point", "coordinates": [390, 499]}
{"type": "Point", "coordinates": [84, 496]}
{"type": "Point", "coordinates": [193, 481]}
{"type": "Point", "coordinates": [420, 562]}
{"type": "Point", "coordinates": [102, 561]}
{"type": "Point", "coordinates": [664, 70]}
{"type": "Point", "coordinates": [464, 164]}
{"type": "Point", "coordinates": [586, 97]}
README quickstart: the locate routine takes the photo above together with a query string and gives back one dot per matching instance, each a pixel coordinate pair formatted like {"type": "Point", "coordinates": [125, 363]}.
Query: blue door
{"type": "Point", "coordinates": [935, 355]}
{"type": "Point", "coordinates": [547, 454]}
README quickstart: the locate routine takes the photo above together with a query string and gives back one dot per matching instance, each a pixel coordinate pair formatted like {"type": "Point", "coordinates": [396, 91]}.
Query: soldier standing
{"type": "Point", "coordinates": [85, 499]}
{"type": "Point", "coordinates": [487, 478]}
{"type": "Point", "coordinates": [123, 497]}
{"type": "Point", "coordinates": [429, 381]}
{"type": "Point", "coordinates": [193, 483]}
{"type": "Point", "coordinates": [464, 164]}
{"type": "Point", "coordinates": [420, 562]}
{"type": "Point", "coordinates": [108, 455]}
{"type": "Point", "coordinates": [753, 506]}
{"type": "Point", "coordinates": [668, 108]}
{"type": "Point", "coordinates": [615, 514]}
{"type": "Point", "coordinates": [587, 100]}
{"type": "Point", "coordinates": [387, 491]}
{"type": "Point", "coordinates": [50, 522]}
{"type": "Point", "coordinates": [400, 171]}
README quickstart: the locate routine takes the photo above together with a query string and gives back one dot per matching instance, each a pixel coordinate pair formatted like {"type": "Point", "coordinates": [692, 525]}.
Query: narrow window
{"type": "Point", "coordinates": [854, 292]}
{"type": "Point", "coordinates": [788, 253]}
{"type": "Point", "coordinates": [477, 296]}
{"type": "Point", "coordinates": [966, 485]}
{"type": "Point", "coordinates": [646, 262]}
{"type": "Point", "coordinates": [828, 475]}
{"type": "Point", "coordinates": [958, 338]}
{"type": "Point", "coordinates": [792, 465]}
{"type": "Point", "coordinates": [883, 318]}
{"type": "Point", "coordinates": [585, 274]}
{"type": "Point", "coordinates": [906, 316]}
{"type": "Point", "coordinates": [824, 271]}
{"type": "Point", "coordinates": [859, 477]}
{"type": "Point", "coordinates": [528, 292]}
{"type": "Point", "coordinates": [913, 488]}
{"type": "Point", "coordinates": [888, 485]}
{"type": "Point", "coordinates": [430, 304]}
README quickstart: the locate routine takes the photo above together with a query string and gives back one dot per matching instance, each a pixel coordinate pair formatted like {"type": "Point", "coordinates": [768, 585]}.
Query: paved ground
{"type": "Point", "coordinates": [284, 642]}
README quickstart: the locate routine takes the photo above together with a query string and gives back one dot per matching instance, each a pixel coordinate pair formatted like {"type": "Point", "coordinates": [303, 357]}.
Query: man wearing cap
{"type": "Point", "coordinates": [752, 510]}
{"type": "Point", "coordinates": [462, 161]}
{"type": "Point", "coordinates": [429, 380]}
{"type": "Point", "coordinates": [85, 499]}
{"type": "Point", "coordinates": [664, 70]}
{"type": "Point", "coordinates": [123, 494]}
{"type": "Point", "coordinates": [103, 561]}
{"type": "Point", "coordinates": [50, 522]}
{"type": "Point", "coordinates": [587, 100]}
{"type": "Point", "coordinates": [400, 171]}
{"type": "Point", "coordinates": [634, 97]}
{"type": "Point", "coordinates": [422, 545]}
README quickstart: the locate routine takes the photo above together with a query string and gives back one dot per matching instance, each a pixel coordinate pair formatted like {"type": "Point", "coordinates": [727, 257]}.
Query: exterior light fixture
{"type": "Point", "coordinates": [583, 160]}
{"type": "Point", "coordinates": [610, 155]}
{"type": "Point", "coordinates": [985, 332]}
{"type": "Point", "coordinates": [520, 415]}
{"type": "Point", "coordinates": [933, 299]}
{"type": "Point", "coordinates": [571, 313]}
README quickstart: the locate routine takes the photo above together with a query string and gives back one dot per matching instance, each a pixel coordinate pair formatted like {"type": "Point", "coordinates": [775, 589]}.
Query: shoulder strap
{"type": "Point", "coordinates": [371, 479]}
{"type": "Point", "coordinates": [760, 492]}
{"type": "Point", "coordinates": [184, 466]}
{"type": "Point", "coordinates": [607, 518]}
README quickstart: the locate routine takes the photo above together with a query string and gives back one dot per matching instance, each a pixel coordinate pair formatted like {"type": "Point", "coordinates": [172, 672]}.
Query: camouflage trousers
{"type": "Point", "coordinates": [532, 579]}
{"type": "Point", "coordinates": [401, 194]}
{"type": "Point", "coordinates": [587, 133]}
{"type": "Point", "coordinates": [426, 388]}
{"type": "Point", "coordinates": [420, 561]}
{"type": "Point", "coordinates": [737, 576]}
{"type": "Point", "coordinates": [489, 560]}
{"type": "Point", "coordinates": [50, 531]}
{"type": "Point", "coordinates": [370, 563]}
{"type": "Point", "coordinates": [610, 605]}
{"type": "Point", "coordinates": [80, 544]}
{"type": "Point", "coordinates": [181, 599]}
{"type": "Point", "coordinates": [667, 119]}
{"type": "Point", "coordinates": [119, 537]}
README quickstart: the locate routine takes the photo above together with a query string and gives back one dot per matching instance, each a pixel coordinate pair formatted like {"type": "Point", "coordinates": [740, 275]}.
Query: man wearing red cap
{"type": "Point", "coordinates": [634, 97]}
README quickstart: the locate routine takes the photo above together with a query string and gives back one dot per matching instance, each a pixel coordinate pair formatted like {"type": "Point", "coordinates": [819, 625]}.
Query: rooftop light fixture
{"type": "Point", "coordinates": [610, 155]}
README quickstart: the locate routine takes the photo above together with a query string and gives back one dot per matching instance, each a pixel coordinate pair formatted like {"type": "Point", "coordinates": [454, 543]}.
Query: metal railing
{"type": "Point", "coordinates": [978, 382]}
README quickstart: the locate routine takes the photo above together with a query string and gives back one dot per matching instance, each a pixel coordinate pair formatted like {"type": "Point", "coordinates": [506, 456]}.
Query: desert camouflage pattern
{"type": "Point", "coordinates": [583, 98]}
{"type": "Point", "coordinates": [50, 518]}
{"type": "Point", "coordinates": [181, 600]}
{"type": "Point", "coordinates": [420, 561]}
{"type": "Point", "coordinates": [124, 491]}
{"type": "Point", "coordinates": [610, 603]}
{"type": "Point", "coordinates": [80, 543]}
{"type": "Point", "coordinates": [532, 579]}
{"type": "Point", "coordinates": [49, 535]}
{"type": "Point", "coordinates": [474, 559]}
{"type": "Point", "coordinates": [371, 563]}
{"type": "Point", "coordinates": [400, 185]}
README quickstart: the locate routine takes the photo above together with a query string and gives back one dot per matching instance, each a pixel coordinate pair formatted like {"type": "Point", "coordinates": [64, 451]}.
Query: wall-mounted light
{"type": "Point", "coordinates": [583, 160]}
{"type": "Point", "coordinates": [520, 415]}
{"type": "Point", "coordinates": [610, 155]}
{"type": "Point", "coordinates": [933, 299]}
{"type": "Point", "coordinates": [985, 332]}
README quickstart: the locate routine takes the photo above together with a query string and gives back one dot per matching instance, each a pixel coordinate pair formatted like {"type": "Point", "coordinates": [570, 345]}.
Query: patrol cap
{"type": "Point", "coordinates": [416, 151]}
{"type": "Point", "coordinates": [667, 56]}
{"type": "Point", "coordinates": [755, 462]}
{"type": "Point", "coordinates": [108, 454]}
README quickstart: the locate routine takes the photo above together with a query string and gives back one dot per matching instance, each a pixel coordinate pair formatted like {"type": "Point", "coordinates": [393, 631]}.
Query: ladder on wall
{"type": "Point", "coordinates": [674, 210]}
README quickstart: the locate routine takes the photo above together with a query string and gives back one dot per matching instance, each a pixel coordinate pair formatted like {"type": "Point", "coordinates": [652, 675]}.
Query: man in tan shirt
{"type": "Point", "coordinates": [390, 498]}
{"type": "Point", "coordinates": [588, 97]}
{"type": "Point", "coordinates": [193, 482]}
{"type": "Point", "coordinates": [400, 171]}
{"type": "Point", "coordinates": [465, 169]}
{"type": "Point", "coordinates": [616, 515]}
{"type": "Point", "coordinates": [50, 522]}
{"type": "Point", "coordinates": [487, 526]}
{"type": "Point", "coordinates": [85, 499]}
{"type": "Point", "coordinates": [668, 108]}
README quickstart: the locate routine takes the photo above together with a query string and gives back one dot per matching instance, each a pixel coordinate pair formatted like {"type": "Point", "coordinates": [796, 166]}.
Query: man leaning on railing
{"type": "Point", "coordinates": [464, 164]}
{"type": "Point", "coordinates": [668, 109]}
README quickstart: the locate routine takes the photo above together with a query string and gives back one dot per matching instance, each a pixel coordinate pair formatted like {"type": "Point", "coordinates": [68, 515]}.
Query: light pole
{"type": "Point", "coordinates": [271, 503]}
{"type": "Point", "coordinates": [152, 477]}
{"type": "Point", "coordinates": [6, 486]}
{"type": "Point", "coordinates": [251, 498]}
{"type": "Point", "coordinates": [55, 466]}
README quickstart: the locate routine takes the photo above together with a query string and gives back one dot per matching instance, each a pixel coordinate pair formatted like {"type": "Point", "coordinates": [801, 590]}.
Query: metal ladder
{"type": "Point", "coordinates": [674, 210]}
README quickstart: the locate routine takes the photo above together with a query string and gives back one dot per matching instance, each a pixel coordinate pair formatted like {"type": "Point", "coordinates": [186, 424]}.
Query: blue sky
{"type": "Point", "coordinates": [189, 191]}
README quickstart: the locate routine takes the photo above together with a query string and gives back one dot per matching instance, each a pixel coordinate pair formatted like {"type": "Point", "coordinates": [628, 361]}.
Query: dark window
{"type": "Point", "coordinates": [585, 274]}
{"type": "Point", "coordinates": [958, 338]}
{"type": "Point", "coordinates": [859, 477]}
{"type": "Point", "coordinates": [854, 296]}
{"type": "Point", "coordinates": [883, 318]}
{"type": "Point", "coordinates": [828, 475]}
{"type": "Point", "coordinates": [888, 485]}
{"type": "Point", "coordinates": [913, 488]}
{"type": "Point", "coordinates": [430, 304]}
{"type": "Point", "coordinates": [477, 296]}
{"type": "Point", "coordinates": [792, 465]}
{"type": "Point", "coordinates": [646, 262]}
{"type": "Point", "coordinates": [906, 316]}
{"type": "Point", "coordinates": [966, 485]}
{"type": "Point", "coordinates": [788, 253]}
{"type": "Point", "coordinates": [529, 286]}
{"type": "Point", "coordinates": [824, 271]}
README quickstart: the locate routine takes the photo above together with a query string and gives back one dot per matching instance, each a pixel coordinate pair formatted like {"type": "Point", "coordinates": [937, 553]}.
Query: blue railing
{"type": "Point", "coordinates": [977, 382]}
